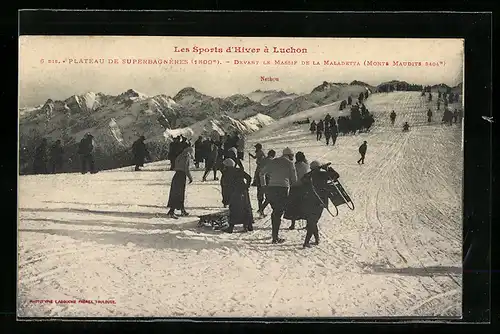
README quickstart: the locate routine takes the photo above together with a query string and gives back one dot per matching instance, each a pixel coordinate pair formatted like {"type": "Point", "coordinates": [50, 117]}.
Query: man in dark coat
{"type": "Point", "coordinates": [328, 133]}
{"type": "Point", "coordinates": [334, 132]}
{"type": "Point", "coordinates": [40, 159]}
{"type": "Point", "coordinates": [86, 151]}
{"type": "Point", "coordinates": [56, 157]}
{"type": "Point", "coordinates": [362, 151]}
{"type": "Point", "coordinates": [211, 162]}
{"type": "Point", "coordinates": [140, 152]}
{"type": "Point", "coordinates": [312, 128]}
{"type": "Point", "coordinates": [173, 151]}
{"type": "Point", "coordinates": [429, 116]}
{"type": "Point", "coordinates": [319, 130]}
{"type": "Point", "coordinates": [198, 152]}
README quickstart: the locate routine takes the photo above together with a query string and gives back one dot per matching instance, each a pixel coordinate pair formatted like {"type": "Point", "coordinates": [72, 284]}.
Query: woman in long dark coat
{"type": "Point", "coordinates": [178, 187]}
{"type": "Point", "coordinates": [235, 183]}
{"type": "Point", "coordinates": [293, 211]}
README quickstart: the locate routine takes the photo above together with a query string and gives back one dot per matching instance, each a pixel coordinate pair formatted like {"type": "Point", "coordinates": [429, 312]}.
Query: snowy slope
{"type": "Point", "coordinates": [106, 236]}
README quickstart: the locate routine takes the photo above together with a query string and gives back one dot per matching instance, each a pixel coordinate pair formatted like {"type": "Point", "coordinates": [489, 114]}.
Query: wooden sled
{"type": "Point", "coordinates": [216, 220]}
{"type": "Point", "coordinates": [340, 195]}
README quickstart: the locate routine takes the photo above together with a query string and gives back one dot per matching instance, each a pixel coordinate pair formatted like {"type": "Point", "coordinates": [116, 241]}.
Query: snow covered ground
{"type": "Point", "coordinates": [106, 236]}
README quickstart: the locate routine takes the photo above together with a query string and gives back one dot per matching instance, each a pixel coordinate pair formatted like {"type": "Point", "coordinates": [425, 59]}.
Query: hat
{"type": "Point", "coordinates": [315, 164]}
{"type": "Point", "coordinates": [229, 162]}
{"type": "Point", "coordinates": [232, 149]}
{"type": "Point", "coordinates": [258, 145]}
{"type": "Point", "coordinates": [189, 149]}
{"type": "Point", "coordinates": [287, 151]}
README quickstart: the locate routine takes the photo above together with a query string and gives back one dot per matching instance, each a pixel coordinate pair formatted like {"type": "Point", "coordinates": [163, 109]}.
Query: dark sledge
{"type": "Point", "coordinates": [216, 220]}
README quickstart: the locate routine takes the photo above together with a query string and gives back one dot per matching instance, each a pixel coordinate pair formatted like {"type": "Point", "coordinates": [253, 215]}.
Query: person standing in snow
{"type": "Point", "coordinates": [173, 151]}
{"type": "Point", "coordinates": [393, 117]}
{"type": "Point", "coordinates": [198, 152]}
{"type": "Point", "coordinates": [312, 128]}
{"type": "Point", "coordinates": [177, 193]}
{"type": "Point", "coordinates": [334, 132]}
{"type": "Point", "coordinates": [258, 157]}
{"type": "Point", "coordinates": [319, 130]}
{"type": "Point", "coordinates": [282, 175]}
{"type": "Point", "coordinates": [240, 147]}
{"type": "Point", "coordinates": [406, 127]}
{"type": "Point", "coordinates": [328, 133]}
{"type": "Point", "coordinates": [56, 157]}
{"type": "Point", "coordinates": [235, 183]}
{"type": "Point", "coordinates": [86, 152]}
{"type": "Point", "coordinates": [211, 161]}
{"type": "Point", "coordinates": [316, 194]}
{"type": "Point", "coordinates": [295, 197]}
{"type": "Point", "coordinates": [429, 116]}
{"type": "Point", "coordinates": [261, 191]}
{"type": "Point", "coordinates": [40, 159]}
{"type": "Point", "coordinates": [140, 152]}
{"type": "Point", "coordinates": [362, 151]}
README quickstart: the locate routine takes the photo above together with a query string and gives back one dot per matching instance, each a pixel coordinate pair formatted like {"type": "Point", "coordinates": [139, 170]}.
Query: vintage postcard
{"type": "Point", "coordinates": [240, 177]}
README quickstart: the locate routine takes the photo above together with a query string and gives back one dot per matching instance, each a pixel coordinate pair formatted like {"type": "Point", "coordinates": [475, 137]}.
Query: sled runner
{"type": "Point", "coordinates": [217, 220]}
{"type": "Point", "coordinates": [340, 196]}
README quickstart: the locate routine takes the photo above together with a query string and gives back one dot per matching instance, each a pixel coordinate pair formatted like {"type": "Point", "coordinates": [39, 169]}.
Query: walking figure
{"type": "Point", "coordinates": [429, 116]}
{"type": "Point", "coordinates": [393, 117]}
{"type": "Point", "coordinates": [362, 151]}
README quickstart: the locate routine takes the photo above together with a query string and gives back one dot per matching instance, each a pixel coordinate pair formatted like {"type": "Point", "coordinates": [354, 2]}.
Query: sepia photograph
{"type": "Point", "coordinates": [177, 177]}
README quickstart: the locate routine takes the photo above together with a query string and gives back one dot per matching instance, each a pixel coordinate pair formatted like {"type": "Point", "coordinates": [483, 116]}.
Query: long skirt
{"type": "Point", "coordinates": [177, 191]}
{"type": "Point", "coordinates": [240, 208]}
{"type": "Point", "coordinates": [294, 208]}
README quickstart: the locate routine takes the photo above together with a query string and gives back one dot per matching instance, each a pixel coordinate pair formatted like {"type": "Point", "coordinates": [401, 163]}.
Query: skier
{"type": "Point", "coordinates": [86, 151]}
{"type": "Point", "coordinates": [56, 157]}
{"type": "Point", "coordinates": [40, 160]}
{"type": "Point", "coordinates": [393, 117]}
{"type": "Point", "coordinates": [211, 161]}
{"type": "Point", "coordinates": [235, 183]}
{"type": "Point", "coordinates": [315, 198]}
{"type": "Point", "coordinates": [312, 128]}
{"type": "Point", "coordinates": [198, 152]}
{"type": "Point", "coordinates": [282, 175]}
{"type": "Point", "coordinates": [429, 116]}
{"type": "Point", "coordinates": [292, 213]}
{"type": "Point", "coordinates": [406, 127]}
{"type": "Point", "coordinates": [362, 151]}
{"type": "Point", "coordinates": [177, 193]}
{"type": "Point", "coordinates": [319, 130]}
{"type": "Point", "coordinates": [140, 152]}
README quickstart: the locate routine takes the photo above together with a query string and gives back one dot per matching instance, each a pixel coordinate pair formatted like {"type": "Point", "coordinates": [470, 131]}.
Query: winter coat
{"type": "Point", "coordinates": [362, 149]}
{"type": "Point", "coordinates": [237, 161]}
{"type": "Point", "coordinates": [240, 145]}
{"type": "Point", "coordinates": [140, 150]}
{"type": "Point", "coordinates": [302, 169]}
{"type": "Point", "coordinates": [281, 171]}
{"type": "Point", "coordinates": [183, 162]}
{"type": "Point", "coordinates": [86, 146]}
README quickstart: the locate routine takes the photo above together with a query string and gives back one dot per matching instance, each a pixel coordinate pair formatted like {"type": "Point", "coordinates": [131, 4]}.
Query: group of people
{"type": "Point", "coordinates": [328, 127]}
{"type": "Point", "coordinates": [50, 160]}
{"type": "Point", "coordinates": [295, 190]}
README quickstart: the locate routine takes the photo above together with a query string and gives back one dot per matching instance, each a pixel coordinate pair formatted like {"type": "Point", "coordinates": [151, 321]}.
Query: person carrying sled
{"type": "Point", "coordinates": [282, 175]}
{"type": "Point", "coordinates": [362, 151]}
{"type": "Point", "coordinates": [86, 152]}
{"type": "Point", "coordinates": [406, 127]}
{"type": "Point", "coordinates": [292, 211]}
{"type": "Point", "coordinates": [316, 193]}
{"type": "Point", "coordinates": [235, 183]}
{"type": "Point", "coordinates": [319, 130]}
{"type": "Point", "coordinates": [177, 193]}
{"type": "Point", "coordinates": [393, 117]}
{"type": "Point", "coordinates": [211, 161]}
{"type": "Point", "coordinates": [429, 116]}
{"type": "Point", "coordinates": [140, 152]}
{"type": "Point", "coordinates": [312, 128]}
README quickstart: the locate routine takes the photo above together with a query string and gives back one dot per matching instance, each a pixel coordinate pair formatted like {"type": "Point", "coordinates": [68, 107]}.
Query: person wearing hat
{"type": "Point", "coordinates": [315, 198]}
{"type": "Point", "coordinates": [211, 161]}
{"type": "Point", "coordinates": [140, 152]}
{"type": "Point", "coordinates": [232, 153]}
{"type": "Point", "coordinates": [86, 152]}
{"type": "Point", "coordinates": [177, 193]}
{"type": "Point", "coordinates": [235, 183]}
{"type": "Point", "coordinates": [282, 175]}
{"type": "Point", "coordinates": [362, 151]}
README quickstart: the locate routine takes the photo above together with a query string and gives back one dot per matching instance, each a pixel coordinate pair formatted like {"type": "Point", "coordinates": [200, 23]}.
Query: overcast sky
{"type": "Point", "coordinates": [41, 81]}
